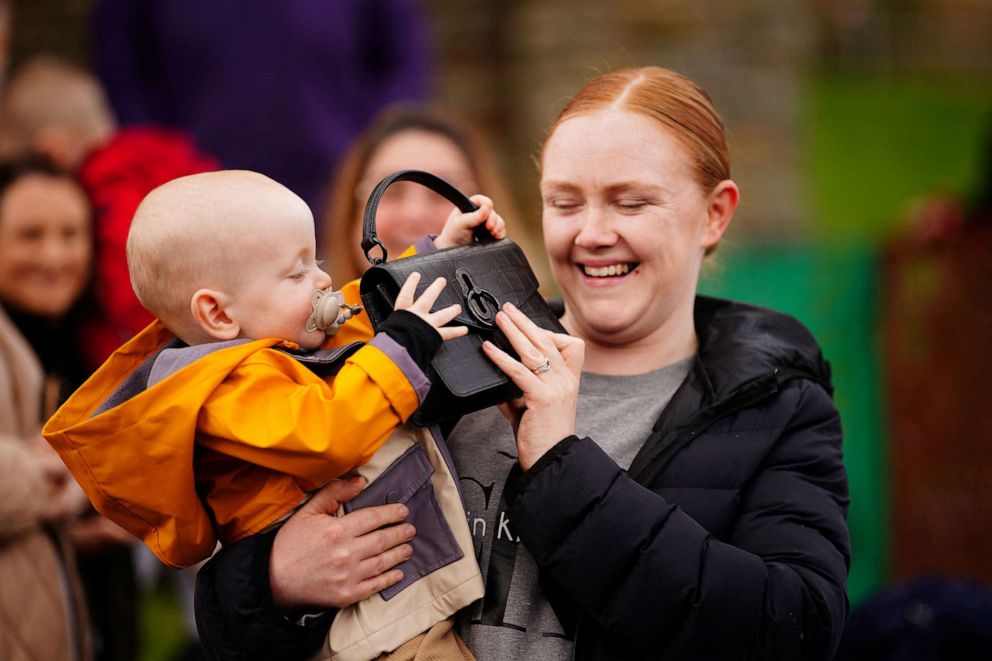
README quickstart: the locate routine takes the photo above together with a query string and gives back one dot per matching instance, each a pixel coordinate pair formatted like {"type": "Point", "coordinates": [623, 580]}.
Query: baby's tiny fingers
{"type": "Point", "coordinates": [440, 317]}
{"type": "Point", "coordinates": [429, 296]}
{"type": "Point", "coordinates": [482, 201]}
{"type": "Point", "coordinates": [405, 298]}
{"type": "Point", "coordinates": [496, 225]}
{"type": "Point", "coordinates": [451, 332]}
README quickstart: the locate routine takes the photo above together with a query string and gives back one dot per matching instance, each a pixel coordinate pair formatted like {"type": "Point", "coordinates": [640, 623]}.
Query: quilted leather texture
{"type": "Point", "coordinates": [463, 379]}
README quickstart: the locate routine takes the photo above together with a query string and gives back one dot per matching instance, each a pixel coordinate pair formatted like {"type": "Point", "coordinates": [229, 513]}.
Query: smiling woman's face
{"type": "Point", "coordinates": [45, 244]}
{"type": "Point", "coordinates": [625, 225]}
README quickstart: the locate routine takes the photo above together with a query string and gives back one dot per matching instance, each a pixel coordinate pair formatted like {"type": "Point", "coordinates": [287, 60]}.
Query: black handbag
{"type": "Point", "coordinates": [481, 278]}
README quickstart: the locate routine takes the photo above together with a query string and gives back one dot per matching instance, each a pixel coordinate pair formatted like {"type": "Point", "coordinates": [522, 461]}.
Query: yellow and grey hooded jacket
{"type": "Point", "coordinates": [188, 446]}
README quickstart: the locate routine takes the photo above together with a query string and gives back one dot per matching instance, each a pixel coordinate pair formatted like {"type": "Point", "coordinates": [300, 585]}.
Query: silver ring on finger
{"type": "Point", "coordinates": [543, 367]}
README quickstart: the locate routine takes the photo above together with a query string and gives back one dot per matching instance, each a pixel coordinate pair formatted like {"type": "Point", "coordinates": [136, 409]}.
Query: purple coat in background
{"type": "Point", "coordinates": [277, 86]}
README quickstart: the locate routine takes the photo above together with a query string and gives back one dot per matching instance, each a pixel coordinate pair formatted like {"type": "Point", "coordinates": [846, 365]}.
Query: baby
{"type": "Point", "coordinates": [219, 418]}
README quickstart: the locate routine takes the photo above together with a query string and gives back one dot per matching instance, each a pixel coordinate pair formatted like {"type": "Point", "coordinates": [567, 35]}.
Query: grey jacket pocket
{"type": "Point", "coordinates": [408, 480]}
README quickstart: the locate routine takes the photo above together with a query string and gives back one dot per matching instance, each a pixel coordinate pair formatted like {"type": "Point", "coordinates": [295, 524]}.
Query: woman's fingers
{"type": "Point", "coordinates": [572, 350]}
{"type": "Point", "coordinates": [518, 373]}
{"type": "Point", "coordinates": [365, 520]}
{"type": "Point", "coordinates": [513, 411]}
{"type": "Point", "coordinates": [384, 561]}
{"type": "Point", "coordinates": [319, 559]}
{"type": "Point", "coordinates": [530, 341]}
{"type": "Point", "coordinates": [377, 583]}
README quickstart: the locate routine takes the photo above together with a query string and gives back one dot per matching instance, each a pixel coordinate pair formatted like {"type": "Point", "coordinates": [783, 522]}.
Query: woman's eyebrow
{"type": "Point", "coordinates": [628, 186]}
{"type": "Point", "coordinates": [558, 186]}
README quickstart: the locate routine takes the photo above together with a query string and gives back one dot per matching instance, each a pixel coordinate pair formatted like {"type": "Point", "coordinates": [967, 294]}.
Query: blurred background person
{"type": "Point", "coordinates": [410, 136]}
{"type": "Point", "coordinates": [930, 618]}
{"type": "Point", "coordinates": [280, 87]}
{"type": "Point", "coordinates": [59, 110]}
{"type": "Point", "coordinates": [45, 263]}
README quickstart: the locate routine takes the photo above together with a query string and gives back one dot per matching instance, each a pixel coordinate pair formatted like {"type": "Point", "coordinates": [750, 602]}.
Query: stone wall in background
{"type": "Point", "coordinates": [510, 65]}
{"type": "Point", "coordinates": [532, 55]}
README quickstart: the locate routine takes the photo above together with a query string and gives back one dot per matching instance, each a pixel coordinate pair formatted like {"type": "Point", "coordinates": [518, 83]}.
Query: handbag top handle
{"type": "Point", "coordinates": [369, 237]}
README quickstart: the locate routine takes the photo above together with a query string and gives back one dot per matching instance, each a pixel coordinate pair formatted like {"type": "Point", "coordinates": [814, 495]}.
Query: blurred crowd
{"type": "Point", "coordinates": [324, 97]}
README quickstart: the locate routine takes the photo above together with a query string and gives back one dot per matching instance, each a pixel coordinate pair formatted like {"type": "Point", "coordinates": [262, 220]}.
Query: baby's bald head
{"type": "Point", "coordinates": [202, 231]}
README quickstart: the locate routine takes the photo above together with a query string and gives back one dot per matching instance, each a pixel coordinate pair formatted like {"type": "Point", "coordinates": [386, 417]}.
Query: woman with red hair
{"type": "Point", "coordinates": [671, 483]}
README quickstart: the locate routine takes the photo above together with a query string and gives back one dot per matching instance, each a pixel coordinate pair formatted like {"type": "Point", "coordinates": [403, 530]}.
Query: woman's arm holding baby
{"type": "Point", "coordinates": [251, 597]}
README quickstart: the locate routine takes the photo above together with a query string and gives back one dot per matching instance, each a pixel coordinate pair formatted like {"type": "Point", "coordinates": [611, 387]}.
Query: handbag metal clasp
{"type": "Point", "coordinates": [481, 304]}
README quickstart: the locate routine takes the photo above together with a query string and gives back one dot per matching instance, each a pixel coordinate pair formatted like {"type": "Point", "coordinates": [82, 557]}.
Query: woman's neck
{"type": "Point", "coordinates": [671, 342]}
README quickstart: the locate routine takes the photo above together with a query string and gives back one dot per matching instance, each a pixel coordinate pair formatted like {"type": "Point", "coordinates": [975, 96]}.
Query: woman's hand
{"type": "Point", "coordinates": [322, 560]}
{"type": "Point", "coordinates": [547, 373]}
{"type": "Point", "coordinates": [64, 498]}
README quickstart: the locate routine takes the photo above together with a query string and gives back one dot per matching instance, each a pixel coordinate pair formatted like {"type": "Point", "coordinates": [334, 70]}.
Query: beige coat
{"type": "Point", "coordinates": [374, 626]}
{"type": "Point", "coordinates": [42, 613]}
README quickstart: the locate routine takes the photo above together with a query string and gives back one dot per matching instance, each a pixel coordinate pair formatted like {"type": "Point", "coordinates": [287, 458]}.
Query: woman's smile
{"type": "Point", "coordinates": [605, 273]}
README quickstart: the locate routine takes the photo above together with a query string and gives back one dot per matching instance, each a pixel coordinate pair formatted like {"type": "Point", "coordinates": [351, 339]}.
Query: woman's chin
{"type": "Point", "coordinates": [610, 323]}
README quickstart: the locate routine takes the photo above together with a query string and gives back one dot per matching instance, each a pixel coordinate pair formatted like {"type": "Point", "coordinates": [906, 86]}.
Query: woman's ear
{"type": "Point", "coordinates": [209, 308]}
{"type": "Point", "coordinates": [722, 203]}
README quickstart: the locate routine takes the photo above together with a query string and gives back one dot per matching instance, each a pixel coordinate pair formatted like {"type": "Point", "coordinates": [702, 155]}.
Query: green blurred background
{"type": "Point", "coordinates": [874, 145]}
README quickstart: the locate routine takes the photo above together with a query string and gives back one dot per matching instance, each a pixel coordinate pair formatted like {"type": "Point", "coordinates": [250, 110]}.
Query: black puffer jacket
{"type": "Point", "coordinates": [727, 538]}
{"type": "Point", "coordinates": [738, 547]}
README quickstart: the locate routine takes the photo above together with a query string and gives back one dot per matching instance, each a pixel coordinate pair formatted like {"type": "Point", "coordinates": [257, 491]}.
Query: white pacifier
{"type": "Point", "coordinates": [329, 311]}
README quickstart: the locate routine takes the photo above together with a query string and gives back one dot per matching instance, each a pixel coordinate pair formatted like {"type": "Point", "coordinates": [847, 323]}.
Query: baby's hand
{"type": "Point", "coordinates": [458, 228]}
{"type": "Point", "coordinates": [422, 306]}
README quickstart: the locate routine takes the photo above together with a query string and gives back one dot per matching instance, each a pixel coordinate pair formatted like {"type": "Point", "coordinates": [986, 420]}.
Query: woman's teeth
{"type": "Point", "coordinates": [606, 271]}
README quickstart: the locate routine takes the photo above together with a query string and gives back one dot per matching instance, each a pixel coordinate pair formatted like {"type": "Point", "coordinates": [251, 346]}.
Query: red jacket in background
{"type": "Point", "coordinates": [117, 176]}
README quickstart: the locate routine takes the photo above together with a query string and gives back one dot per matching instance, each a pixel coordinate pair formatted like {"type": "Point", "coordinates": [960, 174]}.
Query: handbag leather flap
{"type": "Point", "coordinates": [499, 268]}
{"type": "Point", "coordinates": [481, 277]}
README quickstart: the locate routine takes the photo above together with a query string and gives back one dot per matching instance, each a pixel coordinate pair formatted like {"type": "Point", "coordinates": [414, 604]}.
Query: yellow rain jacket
{"type": "Point", "coordinates": [267, 431]}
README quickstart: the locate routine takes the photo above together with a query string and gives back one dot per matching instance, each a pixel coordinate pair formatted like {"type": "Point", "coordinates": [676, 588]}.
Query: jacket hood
{"type": "Point", "coordinates": [148, 427]}
{"type": "Point", "coordinates": [739, 343]}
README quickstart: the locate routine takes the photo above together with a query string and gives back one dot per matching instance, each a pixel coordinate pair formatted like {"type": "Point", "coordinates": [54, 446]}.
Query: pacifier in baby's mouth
{"type": "Point", "coordinates": [329, 311]}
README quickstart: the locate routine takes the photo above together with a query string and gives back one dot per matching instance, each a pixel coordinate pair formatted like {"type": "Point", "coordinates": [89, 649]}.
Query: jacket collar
{"type": "Point", "coordinates": [739, 343]}
{"type": "Point", "coordinates": [745, 354]}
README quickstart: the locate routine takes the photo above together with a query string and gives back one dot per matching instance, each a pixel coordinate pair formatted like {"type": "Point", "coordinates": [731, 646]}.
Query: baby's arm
{"type": "Point", "coordinates": [458, 228]}
{"type": "Point", "coordinates": [273, 412]}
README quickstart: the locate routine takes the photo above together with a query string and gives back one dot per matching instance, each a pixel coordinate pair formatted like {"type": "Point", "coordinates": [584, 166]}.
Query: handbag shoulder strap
{"type": "Point", "coordinates": [369, 237]}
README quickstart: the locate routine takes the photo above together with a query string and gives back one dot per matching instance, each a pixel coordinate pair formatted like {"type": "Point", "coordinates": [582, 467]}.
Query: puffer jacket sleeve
{"type": "Point", "coordinates": [235, 615]}
{"type": "Point", "coordinates": [649, 575]}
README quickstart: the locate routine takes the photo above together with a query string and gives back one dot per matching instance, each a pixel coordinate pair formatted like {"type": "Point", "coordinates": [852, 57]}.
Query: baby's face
{"type": "Point", "coordinates": [279, 276]}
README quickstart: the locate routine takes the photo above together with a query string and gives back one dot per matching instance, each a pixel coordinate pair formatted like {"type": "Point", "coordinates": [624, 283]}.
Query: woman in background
{"type": "Point", "coordinates": [406, 137]}
{"type": "Point", "coordinates": [45, 262]}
